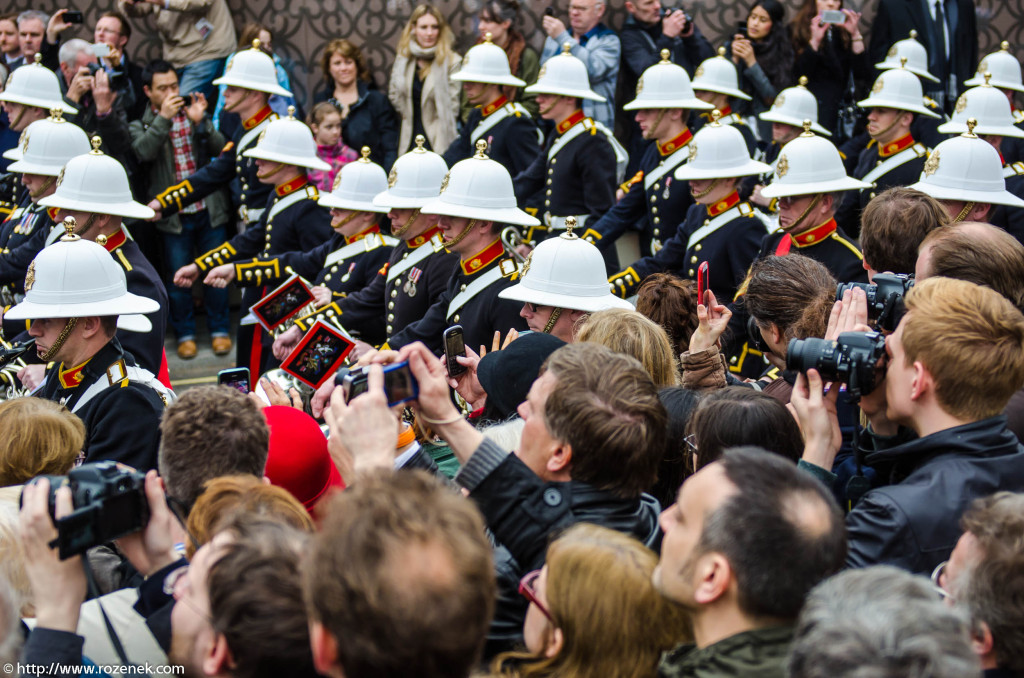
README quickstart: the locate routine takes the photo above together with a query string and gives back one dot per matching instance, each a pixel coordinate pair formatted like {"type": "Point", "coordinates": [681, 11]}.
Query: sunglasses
{"type": "Point", "coordinates": [528, 590]}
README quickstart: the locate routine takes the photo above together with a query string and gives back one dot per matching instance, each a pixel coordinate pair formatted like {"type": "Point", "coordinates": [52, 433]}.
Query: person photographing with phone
{"type": "Point", "coordinates": [761, 50]}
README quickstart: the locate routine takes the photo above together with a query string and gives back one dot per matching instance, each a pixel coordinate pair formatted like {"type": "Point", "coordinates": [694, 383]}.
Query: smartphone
{"type": "Point", "coordinates": [741, 28]}
{"type": "Point", "coordinates": [73, 16]}
{"type": "Point", "coordinates": [454, 346]}
{"type": "Point", "coordinates": [702, 282]}
{"type": "Point", "coordinates": [399, 384]}
{"type": "Point", "coordinates": [101, 49]}
{"type": "Point", "coordinates": [833, 16]}
{"type": "Point", "coordinates": [236, 377]}
{"type": "Point", "coordinates": [549, 11]}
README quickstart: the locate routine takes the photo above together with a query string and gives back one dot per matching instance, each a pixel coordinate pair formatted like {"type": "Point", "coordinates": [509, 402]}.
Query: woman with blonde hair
{"type": "Point", "coordinates": [420, 88]}
{"type": "Point", "coordinates": [37, 437]}
{"type": "Point", "coordinates": [636, 335]}
{"type": "Point", "coordinates": [594, 611]}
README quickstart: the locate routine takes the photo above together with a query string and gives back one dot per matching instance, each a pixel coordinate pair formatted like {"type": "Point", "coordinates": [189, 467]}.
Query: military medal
{"type": "Point", "coordinates": [414, 276]}
{"type": "Point", "coordinates": [668, 185]}
{"type": "Point", "coordinates": [348, 273]}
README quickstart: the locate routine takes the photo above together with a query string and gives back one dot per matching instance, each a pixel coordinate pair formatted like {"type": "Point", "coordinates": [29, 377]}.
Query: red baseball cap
{"type": "Point", "coordinates": [298, 459]}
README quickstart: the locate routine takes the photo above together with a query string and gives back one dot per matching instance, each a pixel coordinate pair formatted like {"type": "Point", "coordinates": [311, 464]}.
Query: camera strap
{"type": "Point", "coordinates": [115, 640]}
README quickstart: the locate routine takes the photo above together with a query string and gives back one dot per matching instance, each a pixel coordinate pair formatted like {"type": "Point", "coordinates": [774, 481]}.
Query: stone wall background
{"type": "Point", "coordinates": [302, 27]}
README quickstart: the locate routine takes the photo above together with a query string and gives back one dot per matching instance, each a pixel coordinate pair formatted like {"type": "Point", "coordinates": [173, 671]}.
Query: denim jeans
{"type": "Point", "coordinates": [180, 249]}
{"type": "Point", "coordinates": [198, 77]}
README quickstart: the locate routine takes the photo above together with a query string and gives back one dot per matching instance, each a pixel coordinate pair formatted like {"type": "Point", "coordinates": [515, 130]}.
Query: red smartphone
{"type": "Point", "coordinates": [702, 283]}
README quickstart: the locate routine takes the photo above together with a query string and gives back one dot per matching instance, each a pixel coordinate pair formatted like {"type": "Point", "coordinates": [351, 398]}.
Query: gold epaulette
{"type": "Point", "coordinates": [257, 271]}
{"type": "Point", "coordinates": [329, 314]}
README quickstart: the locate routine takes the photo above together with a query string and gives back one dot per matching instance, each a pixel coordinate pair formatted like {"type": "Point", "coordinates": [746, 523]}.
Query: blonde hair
{"type": "Point", "coordinates": [971, 339]}
{"type": "Point", "coordinates": [37, 437]}
{"type": "Point", "coordinates": [445, 37]}
{"type": "Point", "coordinates": [228, 496]}
{"type": "Point", "coordinates": [12, 553]}
{"type": "Point", "coordinates": [633, 334]}
{"type": "Point", "coordinates": [613, 621]}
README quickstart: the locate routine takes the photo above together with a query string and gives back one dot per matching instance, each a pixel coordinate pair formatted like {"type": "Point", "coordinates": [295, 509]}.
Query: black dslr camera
{"type": "Point", "coordinates": [851, 359]}
{"type": "Point", "coordinates": [109, 501]}
{"type": "Point", "coordinates": [885, 298]}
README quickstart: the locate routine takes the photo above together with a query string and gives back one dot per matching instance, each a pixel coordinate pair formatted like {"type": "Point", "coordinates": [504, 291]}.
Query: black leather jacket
{"type": "Point", "coordinates": [914, 522]}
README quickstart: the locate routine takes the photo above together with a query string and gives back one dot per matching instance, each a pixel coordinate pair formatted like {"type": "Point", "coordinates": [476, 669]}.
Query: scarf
{"type": "Point", "coordinates": [421, 52]}
{"type": "Point", "coordinates": [437, 108]}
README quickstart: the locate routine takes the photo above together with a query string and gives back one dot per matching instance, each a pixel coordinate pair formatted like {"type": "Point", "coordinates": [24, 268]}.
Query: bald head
{"type": "Point", "coordinates": [977, 252]}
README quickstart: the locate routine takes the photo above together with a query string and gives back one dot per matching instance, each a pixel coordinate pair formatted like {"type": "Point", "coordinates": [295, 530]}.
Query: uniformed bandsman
{"type": "Point", "coordinates": [577, 172]}
{"type": "Point", "coordinates": [791, 107]}
{"type": "Point", "coordinates": [893, 158]}
{"type": "Point", "coordinates": [924, 129]}
{"type": "Point", "coordinates": [75, 296]}
{"type": "Point", "coordinates": [717, 83]}
{"type": "Point", "coordinates": [965, 174]}
{"type": "Point", "coordinates": [29, 95]}
{"type": "Point", "coordinates": [663, 100]}
{"type": "Point", "coordinates": [251, 78]}
{"type": "Point", "coordinates": [1004, 71]}
{"type": "Point", "coordinates": [510, 132]}
{"type": "Point", "coordinates": [291, 221]}
{"type": "Point", "coordinates": [476, 202]}
{"type": "Point", "coordinates": [720, 229]}
{"type": "Point", "coordinates": [94, 190]}
{"type": "Point", "coordinates": [562, 282]}
{"type": "Point", "coordinates": [45, 147]}
{"type": "Point", "coordinates": [417, 272]}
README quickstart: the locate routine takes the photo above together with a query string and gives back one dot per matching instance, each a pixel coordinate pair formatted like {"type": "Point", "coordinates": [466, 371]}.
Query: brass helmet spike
{"type": "Point", "coordinates": [807, 128]}
{"type": "Point", "coordinates": [56, 115]}
{"type": "Point", "coordinates": [665, 54]}
{"type": "Point", "coordinates": [988, 77]}
{"type": "Point", "coordinates": [481, 149]}
{"type": "Point", "coordinates": [291, 112]}
{"type": "Point", "coordinates": [96, 142]}
{"type": "Point", "coordinates": [488, 37]}
{"type": "Point", "coordinates": [913, 34]}
{"type": "Point", "coordinates": [802, 82]}
{"type": "Point", "coordinates": [903, 62]}
{"type": "Point", "coordinates": [570, 223]}
{"type": "Point", "coordinates": [39, 58]}
{"type": "Point", "coordinates": [365, 153]}
{"type": "Point", "coordinates": [1004, 46]}
{"type": "Point", "coordinates": [971, 124]}
{"type": "Point", "coordinates": [420, 142]}
{"type": "Point", "coordinates": [256, 43]}
{"type": "Point", "coordinates": [715, 116]}
{"type": "Point", "coordinates": [69, 230]}
{"type": "Point", "coordinates": [566, 47]}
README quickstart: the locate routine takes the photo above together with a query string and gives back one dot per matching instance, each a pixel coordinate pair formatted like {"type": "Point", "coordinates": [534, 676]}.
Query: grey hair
{"type": "Point", "coordinates": [29, 14]}
{"type": "Point", "coordinates": [880, 622]}
{"type": "Point", "coordinates": [70, 50]}
{"type": "Point", "coordinates": [506, 434]}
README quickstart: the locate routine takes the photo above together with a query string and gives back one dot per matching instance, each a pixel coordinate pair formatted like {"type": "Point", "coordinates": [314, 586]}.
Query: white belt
{"type": "Point", "coordinates": [250, 215]}
{"type": "Point", "coordinates": [559, 222]}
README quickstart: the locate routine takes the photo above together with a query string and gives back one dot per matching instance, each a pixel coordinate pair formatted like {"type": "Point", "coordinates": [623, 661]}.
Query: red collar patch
{"type": "Point", "coordinates": [673, 145]}
{"type": "Point", "coordinates": [815, 235]}
{"type": "Point", "coordinates": [112, 242]}
{"type": "Point", "coordinates": [423, 238]}
{"type": "Point", "coordinates": [896, 146]}
{"type": "Point", "coordinates": [569, 122]}
{"type": "Point", "coordinates": [71, 378]}
{"type": "Point", "coordinates": [483, 258]}
{"type": "Point", "coordinates": [725, 112]}
{"type": "Point", "coordinates": [292, 186]}
{"type": "Point", "coordinates": [494, 105]}
{"type": "Point", "coordinates": [375, 228]}
{"type": "Point", "coordinates": [725, 203]}
{"type": "Point", "coordinates": [262, 115]}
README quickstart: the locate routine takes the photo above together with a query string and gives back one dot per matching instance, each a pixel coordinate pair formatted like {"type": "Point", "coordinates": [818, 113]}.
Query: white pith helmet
{"type": "Point", "coordinates": [47, 145]}
{"type": "Point", "coordinates": [966, 168]}
{"type": "Point", "coordinates": [793, 105]}
{"type": "Point", "coordinates": [566, 272]}
{"type": "Point", "coordinates": [252, 69]}
{"type": "Point", "coordinates": [96, 183]}
{"type": "Point", "coordinates": [479, 188]}
{"type": "Point", "coordinates": [356, 185]}
{"type": "Point", "coordinates": [809, 165]}
{"type": "Point", "coordinates": [665, 85]}
{"type": "Point", "coordinates": [564, 75]}
{"type": "Point", "coordinates": [989, 107]}
{"type": "Point", "coordinates": [900, 89]}
{"type": "Point", "coordinates": [415, 179]}
{"type": "Point", "coordinates": [35, 85]}
{"type": "Point", "coordinates": [719, 151]}
{"type": "Point", "coordinates": [718, 74]}
{"type": "Point", "coordinates": [76, 278]}
{"type": "Point", "coordinates": [487, 63]}
{"type": "Point", "coordinates": [288, 141]}
{"type": "Point", "coordinates": [915, 54]}
{"type": "Point", "coordinates": [1003, 66]}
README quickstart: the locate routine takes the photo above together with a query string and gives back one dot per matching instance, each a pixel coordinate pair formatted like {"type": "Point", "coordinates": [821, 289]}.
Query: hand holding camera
{"type": "Point", "coordinates": [674, 23]}
{"type": "Point", "coordinates": [81, 83]}
{"type": "Point", "coordinates": [815, 410]}
{"type": "Point", "coordinates": [364, 430]}
{"type": "Point", "coordinates": [152, 548]}
{"type": "Point", "coordinates": [170, 107]}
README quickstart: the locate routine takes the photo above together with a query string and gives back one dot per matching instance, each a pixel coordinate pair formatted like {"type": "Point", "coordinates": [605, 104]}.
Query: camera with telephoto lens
{"type": "Point", "coordinates": [850, 359]}
{"type": "Point", "coordinates": [109, 502]}
{"type": "Point", "coordinates": [885, 298]}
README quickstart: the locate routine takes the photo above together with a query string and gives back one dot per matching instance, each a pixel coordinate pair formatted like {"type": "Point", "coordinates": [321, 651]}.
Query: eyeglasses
{"type": "Point", "coordinates": [528, 590]}
{"type": "Point", "coordinates": [937, 575]}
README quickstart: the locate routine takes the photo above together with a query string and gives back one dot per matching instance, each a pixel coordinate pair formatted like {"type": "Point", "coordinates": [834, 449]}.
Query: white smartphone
{"type": "Point", "coordinates": [833, 16]}
{"type": "Point", "coordinates": [101, 49]}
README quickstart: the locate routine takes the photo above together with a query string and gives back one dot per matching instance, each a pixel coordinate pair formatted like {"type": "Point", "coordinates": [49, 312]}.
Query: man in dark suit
{"type": "Point", "coordinates": [947, 28]}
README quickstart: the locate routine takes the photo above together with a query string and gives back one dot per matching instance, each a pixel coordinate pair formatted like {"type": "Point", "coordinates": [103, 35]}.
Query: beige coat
{"type": "Point", "coordinates": [183, 44]}
{"type": "Point", "coordinates": [439, 104]}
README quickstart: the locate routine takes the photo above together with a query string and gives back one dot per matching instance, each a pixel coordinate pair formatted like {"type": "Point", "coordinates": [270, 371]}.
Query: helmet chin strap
{"type": "Point", "coordinates": [968, 206]}
{"type": "Point", "coordinates": [556, 312]}
{"type": "Point", "coordinates": [341, 224]}
{"type": "Point", "coordinates": [652, 131]}
{"type": "Point", "coordinates": [59, 343]}
{"type": "Point", "coordinates": [36, 194]}
{"type": "Point", "coordinates": [87, 226]}
{"type": "Point", "coordinates": [885, 131]}
{"type": "Point", "coordinates": [264, 175]}
{"type": "Point", "coordinates": [711, 187]}
{"type": "Point", "coordinates": [461, 236]}
{"type": "Point", "coordinates": [554, 102]}
{"type": "Point", "coordinates": [404, 228]}
{"type": "Point", "coordinates": [803, 215]}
